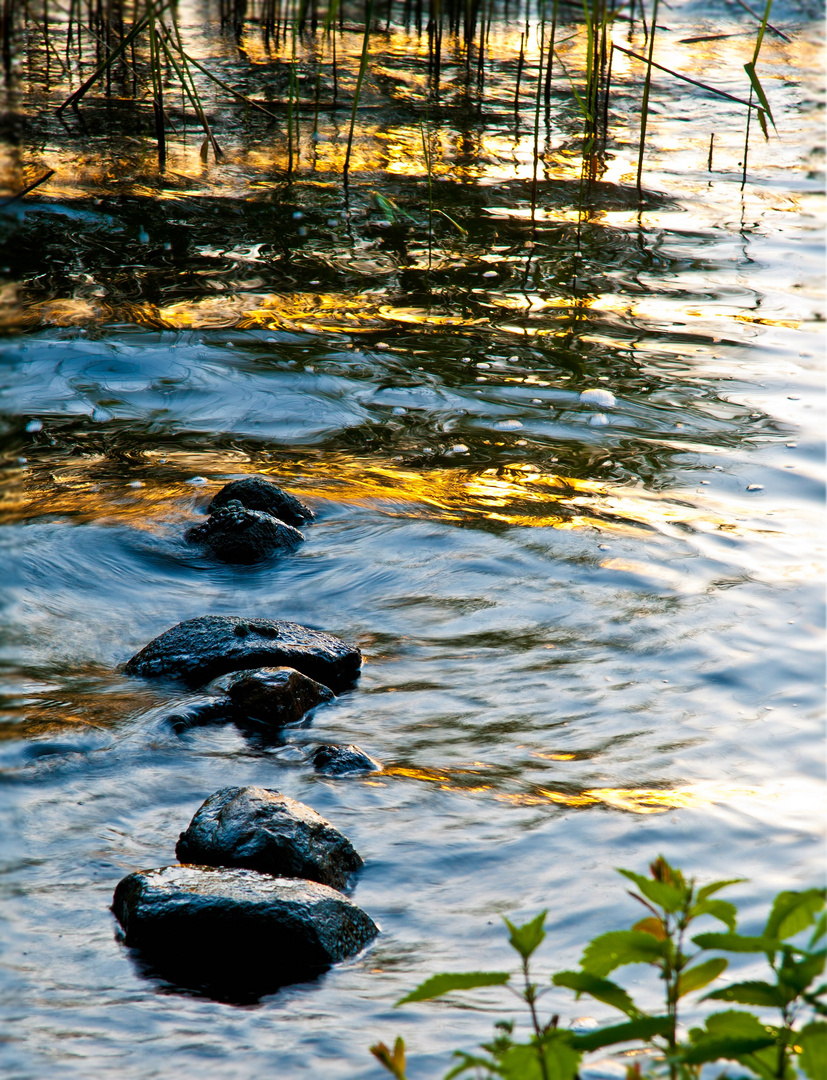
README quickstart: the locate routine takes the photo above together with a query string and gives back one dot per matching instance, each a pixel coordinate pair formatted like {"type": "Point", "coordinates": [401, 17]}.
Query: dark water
{"type": "Point", "coordinates": [589, 637]}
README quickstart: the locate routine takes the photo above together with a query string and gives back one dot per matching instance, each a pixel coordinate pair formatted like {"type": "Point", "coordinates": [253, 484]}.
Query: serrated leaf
{"type": "Point", "coordinates": [798, 974]}
{"type": "Point", "coordinates": [749, 993]}
{"type": "Point", "coordinates": [793, 912]}
{"type": "Point", "coordinates": [698, 977]}
{"type": "Point", "coordinates": [608, 951]}
{"type": "Point", "coordinates": [561, 1059]}
{"type": "Point", "coordinates": [812, 1057]}
{"type": "Point", "coordinates": [652, 926]}
{"type": "Point", "coordinates": [737, 943]}
{"type": "Point", "coordinates": [727, 1035]}
{"type": "Point", "coordinates": [526, 938]}
{"type": "Point", "coordinates": [759, 90]}
{"type": "Point", "coordinates": [716, 886]}
{"type": "Point", "coordinates": [721, 910]}
{"type": "Point", "coordinates": [644, 1028]}
{"type": "Point", "coordinates": [665, 896]}
{"type": "Point", "coordinates": [583, 982]}
{"type": "Point", "coordinates": [438, 985]}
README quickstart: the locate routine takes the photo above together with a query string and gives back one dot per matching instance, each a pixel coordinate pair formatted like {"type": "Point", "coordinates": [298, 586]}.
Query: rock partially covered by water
{"type": "Point", "coordinates": [275, 696]}
{"type": "Point", "coordinates": [257, 494]}
{"type": "Point", "coordinates": [338, 759]}
{"type": "Point", "coordinates": [236, 535]}
{"type": "Point", "coordinates": [236, 934]}
{"type": "Point", "coordinates": [260, 829]}
{"type": "Point", "coordinates": [201, 649]}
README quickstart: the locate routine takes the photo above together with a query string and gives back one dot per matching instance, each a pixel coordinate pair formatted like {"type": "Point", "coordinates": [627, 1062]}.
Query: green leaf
{"type": "Point", "coordinates": [718, 909]}
{"type": "Point", "coordinates": [697, 977]}
{"type": "Point", "coordinates": [526, 938]}
{"type": "Point", "coordinates": [438, 985]}
{"type": "Point", "coordinates": [812, 1057]}
{"type": "Point", "coordinates": [820, 931]}
{"type": "Point", "coordinates": [738, 943]}
{"type": "Point", "coordinates": [793, 912]}
{"type": "Point", "coordinates": [798, 974]}
{"type": "Point", "coordinates": [522, 1061]}
{"type": "Point", "coordinates": [644, 1028]}
{"type": "Point", "coordinates": [583, 982]}
{"type": "Point", "coordinates": [727, 1035]}
{"type": "Point", "coordinates": [608, 951]}
{"type": "Point", "coordinates": [759, 90]}
{"type": "Point", "coordinates": [716, 886]}
{"type": "Point", "coordinates": [749, 993]}
{"type": "Point", "coordinates": [665, 896]}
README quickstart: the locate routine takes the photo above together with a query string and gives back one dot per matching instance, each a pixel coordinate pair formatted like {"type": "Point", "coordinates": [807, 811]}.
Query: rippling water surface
{"type": "Point", "coordinates": [589, 636]}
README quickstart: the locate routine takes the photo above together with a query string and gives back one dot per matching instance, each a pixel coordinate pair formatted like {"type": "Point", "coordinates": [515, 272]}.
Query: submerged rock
{"type": "Point", "coordinates": [200, 649]}
{"type": "Point", "coordinates": [257, 494]}
{"type": "Point", "coordinates": [263, 830]}
{"type": "Point", "coordinates": [336, 759]}
{"type": "Point", "coordinates": [275, 696]}
{"type": "Point", "coordinates": [236, 934]}
{"type": "Point", "coordinates": [236, 535]}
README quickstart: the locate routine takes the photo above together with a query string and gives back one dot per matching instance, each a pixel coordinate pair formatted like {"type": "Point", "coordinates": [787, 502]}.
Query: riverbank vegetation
{"type": "Point", "coordinates": [684, 962]}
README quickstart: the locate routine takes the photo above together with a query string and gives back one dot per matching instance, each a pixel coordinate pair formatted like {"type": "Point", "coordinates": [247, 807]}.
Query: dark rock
{"type": "Point", "coordinates": [198, 650]}
{"type": "Point", "coordinates": [201, 713]}
{"type": "Point", "coordinates": [336, 759]}
{"type": "Point", "coordinates": [236, 535]}
{"type": "Point", "coordinates": [262, 830]}
{"type": "Point", "coordinates": [275, 696]}
{"type": "Point", "coordinates": [236, 934]}
{"type": "Point", "coordinates": [257, 494]}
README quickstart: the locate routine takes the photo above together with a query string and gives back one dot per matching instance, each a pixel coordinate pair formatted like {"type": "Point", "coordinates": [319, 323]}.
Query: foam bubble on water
{"type": "Point", "coordinates": [605, 399]}
{"type": "Point", "coordinates": [459, 448]}
{"type": "Point", "coordinates": [198, 481]}
{"type": "Point", "coordinates": [135, 484]}
{"type": "Point", "coordinates": [508, 425]}
{"type": "Point", "coordinates": [599, 420]}
{"type": "Point", "coordinates": [34, 425]}
{"type": "Point", "coordinates": [399, 411]}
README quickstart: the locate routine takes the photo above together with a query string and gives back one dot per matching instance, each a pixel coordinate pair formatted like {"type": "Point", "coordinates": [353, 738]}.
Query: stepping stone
{"type": "Point", "coordinates": [235, 535]}
{"type": "Point", "coordinates": [275, 696]}
{"type": "Point", "coordinates": [257, 494]}
{"type": "Point", "coordinates": [263, 830]}
{"type": "Point", "coordinates": [236, 935]}
{"type": "Point", "coordinates": [336, 759]}
{"type": "Point", "coordinates": [201, 649]}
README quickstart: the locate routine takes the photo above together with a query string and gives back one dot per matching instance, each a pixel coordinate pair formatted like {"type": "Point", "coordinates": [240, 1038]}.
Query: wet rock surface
{"type": "Point", "coordinates": [236, 934]}
{"type": "Point", "coordinates": [338, 759]}
{"type": "Point", "coordinates": [201, 649]}
{"type": "Point", "coordinates": [235, 535]}
{"type": "Point", "coordinates": [257, 494]}
{"type": "Point", "coordinates": [260, 829]}
{"type": "Point", "coordinates": [275, 696]}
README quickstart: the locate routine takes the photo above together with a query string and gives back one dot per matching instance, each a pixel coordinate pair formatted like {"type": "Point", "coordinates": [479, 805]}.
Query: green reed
{"type": "Point", "coordinates": [142, 41]}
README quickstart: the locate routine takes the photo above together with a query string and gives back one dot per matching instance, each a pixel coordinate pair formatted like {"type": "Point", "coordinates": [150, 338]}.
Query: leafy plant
{"type": "Point", "coordinates": [661, 940]}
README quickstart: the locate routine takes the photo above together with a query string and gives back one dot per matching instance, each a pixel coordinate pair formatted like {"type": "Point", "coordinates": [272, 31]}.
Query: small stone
{"type": "Point", "coordinates": [235, 934]}
{"type": "Point", "coordinates": [599, 420]}
{"type": "Point", "coordinates": [256, 494]}
{"type": "Point", "coordinates": [604, 399]}
{"type": "Point", "coordinates": [201, 649]}
{"type": "Point", "coordinates": [260, 829]}
{"type": "Point", "coordinates": [236, 535]}
{"type": "Point", "coordinates": [335, 759]}
{"type": "Point", "coordinates": [276, 696]}
{"type": "Point", "coordinates": [755, 487]}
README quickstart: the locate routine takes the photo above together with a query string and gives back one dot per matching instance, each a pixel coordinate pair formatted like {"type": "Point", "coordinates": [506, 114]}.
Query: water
{"type": "Point", "coordinates": [591, 634]}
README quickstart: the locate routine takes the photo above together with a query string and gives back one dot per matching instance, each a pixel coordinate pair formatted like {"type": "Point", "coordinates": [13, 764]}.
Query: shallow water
{"type": "Point", "coordinates": [589, 637]}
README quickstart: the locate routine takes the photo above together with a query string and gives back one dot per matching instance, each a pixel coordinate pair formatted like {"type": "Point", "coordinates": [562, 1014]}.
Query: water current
{"type": "Point", "coordinates": [590, 636]}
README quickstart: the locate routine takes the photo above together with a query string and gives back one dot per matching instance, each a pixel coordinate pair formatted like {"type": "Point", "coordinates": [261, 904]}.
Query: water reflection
{"type": "Point", "coordinates": [589, 636]}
